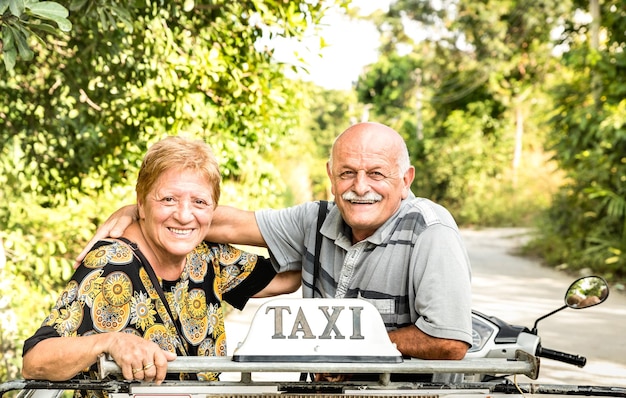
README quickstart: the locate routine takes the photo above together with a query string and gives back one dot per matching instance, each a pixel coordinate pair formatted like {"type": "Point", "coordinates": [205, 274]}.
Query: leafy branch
{"type": "Point", "coordinates": [22, 19]}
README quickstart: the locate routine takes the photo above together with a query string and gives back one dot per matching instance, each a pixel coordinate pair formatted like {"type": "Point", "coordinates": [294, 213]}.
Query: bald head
{"type": "Point", "coordinates": [376, 134]}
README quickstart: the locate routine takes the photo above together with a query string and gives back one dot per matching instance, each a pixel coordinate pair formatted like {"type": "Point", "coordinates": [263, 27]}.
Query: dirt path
{"type": "Point", "coordinates": [519, 290]}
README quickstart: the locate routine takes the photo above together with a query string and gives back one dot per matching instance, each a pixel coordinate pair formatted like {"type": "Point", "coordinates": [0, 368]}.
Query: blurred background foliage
{"type": "Point", "coordinates": [514, 113]}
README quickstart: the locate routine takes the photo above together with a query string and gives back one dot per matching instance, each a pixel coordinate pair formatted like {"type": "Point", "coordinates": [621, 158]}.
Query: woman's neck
{"type": "Point", "coordinates": [165, 267]}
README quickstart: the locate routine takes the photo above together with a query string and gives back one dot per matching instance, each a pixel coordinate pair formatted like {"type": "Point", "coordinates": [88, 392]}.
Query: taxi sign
{"type": "Point", "coordinates": [317, 330]}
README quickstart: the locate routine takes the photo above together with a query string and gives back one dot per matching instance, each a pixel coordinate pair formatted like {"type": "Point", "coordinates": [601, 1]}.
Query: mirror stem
{"type": "Point", "coordinates": [534, 331]}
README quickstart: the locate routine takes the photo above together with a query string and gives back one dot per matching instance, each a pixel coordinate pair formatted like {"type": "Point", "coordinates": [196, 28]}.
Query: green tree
{"type": "Point", "coordinates": [21, 20]}
{"type": "Point", "coordinates": [119, 83]}
{"type": "Point", "coordinates": [466, 94]}
{"type": "Point", "coordinates": [329, 113]}
{"type": "Point", "coordinates": [586, 226]}
{"type": "Point", "coordinates": [76, 119]}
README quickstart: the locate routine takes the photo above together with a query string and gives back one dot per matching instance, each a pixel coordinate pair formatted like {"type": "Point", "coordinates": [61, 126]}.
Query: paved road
{"type": "Point", "coordinates": [519, 290]}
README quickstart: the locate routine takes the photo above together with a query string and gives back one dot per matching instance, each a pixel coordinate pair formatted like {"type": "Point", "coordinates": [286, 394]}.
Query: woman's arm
{"type": "Point", "coordinates": [61, 358]}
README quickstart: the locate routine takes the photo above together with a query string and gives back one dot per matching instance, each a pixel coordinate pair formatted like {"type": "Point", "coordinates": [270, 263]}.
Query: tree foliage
{"type": "Point", "coordinates": [488, 80]}
{"type": "Point", "coordinates": [77, 117]}
{"type": "Point", "coordinates": [21, 20]}
{"type": "Point", "coordinates": [464, 93]}
{"type": "Point", "coordinates": [586, 228]}
{"type": "Point", "coordinates": [124, 79]}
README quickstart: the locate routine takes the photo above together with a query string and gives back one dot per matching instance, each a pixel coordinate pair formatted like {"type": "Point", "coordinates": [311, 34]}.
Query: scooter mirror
{"type": "Point", "coordinates": [587, 292]}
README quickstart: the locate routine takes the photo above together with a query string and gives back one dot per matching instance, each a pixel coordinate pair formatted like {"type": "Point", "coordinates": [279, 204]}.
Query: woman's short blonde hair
{"type": "Point", "coordinates": [178, 153]}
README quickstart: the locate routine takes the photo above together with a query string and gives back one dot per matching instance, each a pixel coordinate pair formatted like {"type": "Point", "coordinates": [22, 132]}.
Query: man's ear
{"type": "Point", "coordinates": [330, 177]}
{"type": "Point", "coordinates": [408, 178]}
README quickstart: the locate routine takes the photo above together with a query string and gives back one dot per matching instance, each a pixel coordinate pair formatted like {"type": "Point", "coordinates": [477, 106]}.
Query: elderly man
{"type": "Point", "coordinates": [377, 242]}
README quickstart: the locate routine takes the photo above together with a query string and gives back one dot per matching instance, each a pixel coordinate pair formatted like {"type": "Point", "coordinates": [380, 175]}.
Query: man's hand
{"type": "Point", "coordinates": [332, 377]}
{"type": "Point", "coordinates": [113, 227]}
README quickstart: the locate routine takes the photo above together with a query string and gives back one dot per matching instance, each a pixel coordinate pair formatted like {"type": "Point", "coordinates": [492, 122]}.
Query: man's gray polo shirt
{"type": "Point", "coordinates": [414, 268]}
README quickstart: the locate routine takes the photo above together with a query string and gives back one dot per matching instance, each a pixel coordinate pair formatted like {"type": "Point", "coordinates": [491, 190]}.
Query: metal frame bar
{"type": "Point", "coordinates": [524, 364]}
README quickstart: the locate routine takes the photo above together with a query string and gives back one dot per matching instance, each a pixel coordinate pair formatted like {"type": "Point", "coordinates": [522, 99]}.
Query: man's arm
{"type": "Point", "coordinates": [229, 225]}
{"type": "Point", "coordinates": [283, 283]}
{"type": "Point", "coordinates": [234, 226]}
{"type": "Point", "coordinates": [413, 342]}
{"type": "Point", "coordinates": [113, 227]}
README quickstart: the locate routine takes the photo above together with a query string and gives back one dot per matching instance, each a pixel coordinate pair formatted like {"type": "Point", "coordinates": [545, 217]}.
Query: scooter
{"type": "Point", "coordinates": [495, 338]}
{"type": "Point", "coordinates": [348, 336]}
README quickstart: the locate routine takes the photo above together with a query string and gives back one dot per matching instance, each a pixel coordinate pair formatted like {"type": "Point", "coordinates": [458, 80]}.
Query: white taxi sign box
{"type": "Point", "coordinates": [317, 330]}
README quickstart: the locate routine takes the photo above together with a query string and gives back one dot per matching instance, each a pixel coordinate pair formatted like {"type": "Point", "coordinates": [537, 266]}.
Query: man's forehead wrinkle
{"type": "Point", "coordinates": [367, 146]}
{"type": "Point", "coordinates": [370, 149]}
{"type": "Point", "coordinates": [360, 158]}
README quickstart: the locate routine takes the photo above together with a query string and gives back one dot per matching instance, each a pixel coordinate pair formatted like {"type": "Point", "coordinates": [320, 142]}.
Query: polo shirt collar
{"type": "Point", "coordinates": [336, 229]}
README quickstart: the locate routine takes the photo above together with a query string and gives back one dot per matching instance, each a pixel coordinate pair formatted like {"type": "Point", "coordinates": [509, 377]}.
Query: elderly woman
{"type": "Point", "coordinates": [159, 290]}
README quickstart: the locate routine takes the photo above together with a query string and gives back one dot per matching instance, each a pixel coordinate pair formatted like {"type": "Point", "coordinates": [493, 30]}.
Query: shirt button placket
{"type": "Point", "coordinates": [347, 270]}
